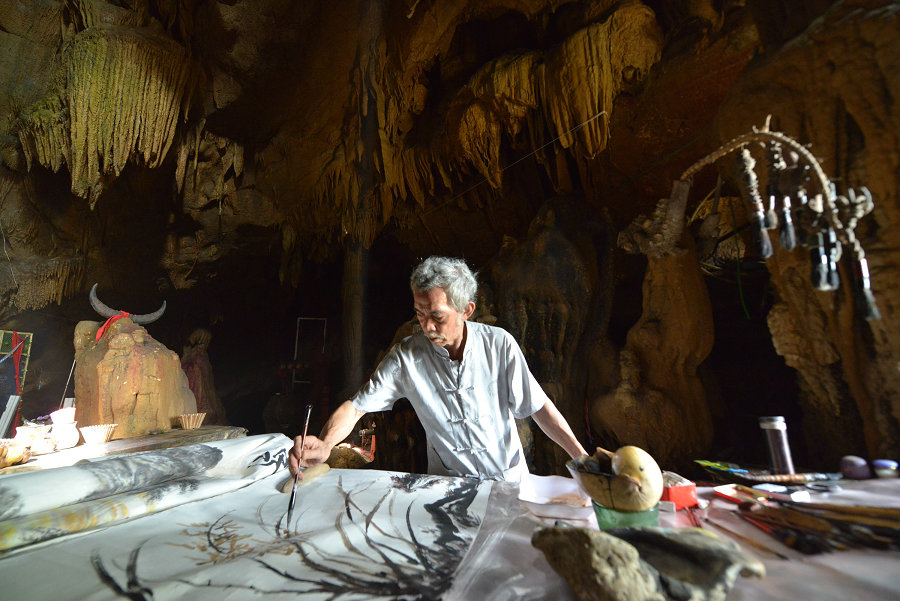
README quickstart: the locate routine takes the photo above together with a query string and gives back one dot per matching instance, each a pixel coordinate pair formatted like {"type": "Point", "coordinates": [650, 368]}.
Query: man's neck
{"type": "Point", "coordinates": [457, 353]}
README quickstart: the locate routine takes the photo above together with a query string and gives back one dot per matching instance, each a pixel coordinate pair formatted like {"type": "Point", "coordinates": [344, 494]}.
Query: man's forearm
{"type": "Point", "coordinates": [555, 426]}
{"type": "Point", "coordinates": [340, 424]}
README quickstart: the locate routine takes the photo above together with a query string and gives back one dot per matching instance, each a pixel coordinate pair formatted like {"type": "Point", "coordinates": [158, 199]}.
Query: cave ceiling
{"type": "Point", "coordinates": [286, 128]}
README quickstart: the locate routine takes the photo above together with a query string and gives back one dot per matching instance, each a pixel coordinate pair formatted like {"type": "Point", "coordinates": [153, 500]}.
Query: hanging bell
{"type": "Point", "coordinates": [770, 215]}
{"type": "Point", "coordinates": [757, 220]}
{"type": "Point", "coordinates": [786, 231]}
{"type": "Point", "coordinates": [833, 248]}
{"type": "Point", "coordinates": [819, 259]}
{"type": "Point", "coordinates": [862, 289]}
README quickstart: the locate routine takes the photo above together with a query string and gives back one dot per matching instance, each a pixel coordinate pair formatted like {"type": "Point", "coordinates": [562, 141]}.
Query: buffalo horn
{"type": "Point", "coordinates": [107, 312]}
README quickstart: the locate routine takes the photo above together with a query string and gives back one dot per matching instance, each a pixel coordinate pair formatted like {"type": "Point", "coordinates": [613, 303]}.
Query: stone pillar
{"type": "Point", "coordinates": [353, 292]}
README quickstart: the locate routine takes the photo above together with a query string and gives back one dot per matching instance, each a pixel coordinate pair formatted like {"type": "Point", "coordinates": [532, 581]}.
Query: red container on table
{"type": "Point", "coordinates": [679, 490]}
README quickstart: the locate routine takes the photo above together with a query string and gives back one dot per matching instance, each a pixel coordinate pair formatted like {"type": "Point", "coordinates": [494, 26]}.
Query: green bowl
{"type": "Point", "coordinates": [611, 518]}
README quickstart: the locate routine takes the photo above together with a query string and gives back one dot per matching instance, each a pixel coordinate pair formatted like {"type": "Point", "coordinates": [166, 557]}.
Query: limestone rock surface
{"type": "Point", "coordinates": [130, 379]}
{"type": "Point", "coordinates": [645, 564]}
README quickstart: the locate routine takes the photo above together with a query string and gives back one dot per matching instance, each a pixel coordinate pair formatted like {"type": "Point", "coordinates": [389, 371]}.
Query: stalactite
{"type": "Point", "coordinates": [573, 87]}
{"type": "Point", "coordinates": [479, 135]}
{"type": "Point", "coordinates": [44, 133]}
{"type": "Point", "coordinates": [89, 13]}
{"type": "Point", "coordinates": [202, 156]}
{"type": "Point", "coordinates": [184, 148]}
{"type": "Point", "coordinates": [506, 93]}
{"type": "Point", "coordinates": [562, 96]}
{"type": "Point", "coordinates": [421, 170]}
{"type": "Point", "coordinates": [511, 80]}
{"type": "Point", "coordinates": [577, 84]}
{"type": "Point", "coordinates": [120, 99]}
{"type": "Point", "coordinates": [237, 159]}
{"type": "Point", "coordinates": [48, 280]}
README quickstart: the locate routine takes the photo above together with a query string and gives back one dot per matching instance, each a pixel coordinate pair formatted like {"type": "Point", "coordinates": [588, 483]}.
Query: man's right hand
{"type": "Point", "coordinates": [314, 451]}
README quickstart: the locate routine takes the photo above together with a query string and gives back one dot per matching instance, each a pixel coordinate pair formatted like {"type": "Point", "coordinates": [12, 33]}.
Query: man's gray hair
{"type": "Point", "coordinates": [453, 275]}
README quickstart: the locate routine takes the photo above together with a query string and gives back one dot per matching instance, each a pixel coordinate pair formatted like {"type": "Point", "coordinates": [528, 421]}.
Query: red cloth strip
{"type": "Point", "coordinates": [109, 322]}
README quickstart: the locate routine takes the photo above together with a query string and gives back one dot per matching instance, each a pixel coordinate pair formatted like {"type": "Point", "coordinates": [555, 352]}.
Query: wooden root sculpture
{"type": "Point", "coordinates": [635, 484]}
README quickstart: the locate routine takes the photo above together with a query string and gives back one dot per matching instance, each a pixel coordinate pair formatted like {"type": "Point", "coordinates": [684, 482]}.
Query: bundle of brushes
{"type": "Point", "coordinates": [812, 528]}
{"type": "Point", "coordinates": [805, 207]}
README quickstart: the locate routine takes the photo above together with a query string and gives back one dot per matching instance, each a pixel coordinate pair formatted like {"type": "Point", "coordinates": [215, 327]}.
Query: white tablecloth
{"type": "Point", "coordinates": [207, 521]}
{"type": "Point", "coordinates": [503, 566]}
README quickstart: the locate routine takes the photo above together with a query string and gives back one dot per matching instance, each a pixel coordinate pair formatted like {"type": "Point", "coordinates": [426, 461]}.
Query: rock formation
{"type": "Point", "coordinates": [199, 371]}
{"type": "Point", "coordinates": [646, 564]}
{"type": "Point", "coordinates": [845, 364]}
{"type": "Point", "coordinates": [130, 379]}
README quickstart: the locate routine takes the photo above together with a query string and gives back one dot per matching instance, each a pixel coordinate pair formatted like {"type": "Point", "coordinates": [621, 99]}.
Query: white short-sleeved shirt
{"type": "Point", "coordinates": [466, 407]}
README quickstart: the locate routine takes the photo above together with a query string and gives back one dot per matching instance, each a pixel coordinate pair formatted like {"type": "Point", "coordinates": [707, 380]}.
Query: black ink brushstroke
{"type": "Point", "coordinates": [10, 503]}
{"type": "Point", "coordinates": [155, 494]}
{"type": "Point", "coordinates": [135, 591]}
{"type": "Point", "coordinates": [136, 471]}
{"type": "Point", "coordinates": [279, 459]}
{"type": "Point", "coordinates": [389, 563]}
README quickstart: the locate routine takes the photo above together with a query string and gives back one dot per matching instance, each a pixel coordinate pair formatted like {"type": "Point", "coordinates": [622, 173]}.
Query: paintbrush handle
{"type": "Point", "coordinates": [290, 511]}
{"type": "Point", "coordinates": [303, 436]}
{"type": "Point", "coordinates": [748, 540]}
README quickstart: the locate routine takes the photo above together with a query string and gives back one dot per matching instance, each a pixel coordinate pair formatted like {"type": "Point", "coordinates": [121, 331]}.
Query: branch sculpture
{"type": "Point", "coordinates": [827, 220]}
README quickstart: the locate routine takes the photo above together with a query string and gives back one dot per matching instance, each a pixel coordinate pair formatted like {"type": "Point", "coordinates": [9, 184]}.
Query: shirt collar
{"type": "Point", "coordinates": [444, 353]}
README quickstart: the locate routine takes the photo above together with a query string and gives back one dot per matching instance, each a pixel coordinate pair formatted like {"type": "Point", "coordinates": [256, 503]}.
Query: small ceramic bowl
{"type": "Point", "coordinates": [885, 468]}
{"type": "Point", "coordinates": [42, 446]}
{"type": "Point", "coordinates": [65, 415]}
{"type": "Point", "coordinates": [65, 434]}
{"type": "Point", "coordinates": [191, 421]}
{"type": "Point", "coordinates": [29, 435]}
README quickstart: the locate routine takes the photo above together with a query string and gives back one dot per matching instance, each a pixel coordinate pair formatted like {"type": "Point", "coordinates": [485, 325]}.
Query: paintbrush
{"type": "Point", "coordinates": [290, 510]}
{"type": "Point", "coordinates": [748, 540]}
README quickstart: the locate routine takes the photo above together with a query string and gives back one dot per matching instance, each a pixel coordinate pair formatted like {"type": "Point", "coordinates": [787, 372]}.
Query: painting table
{"type": "Point", "coordinates": [503, 566]}
{"type": "Point", "coordinates": [207, 521]}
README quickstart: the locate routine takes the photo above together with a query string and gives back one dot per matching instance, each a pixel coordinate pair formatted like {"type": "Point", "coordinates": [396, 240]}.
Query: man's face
{"type": "Point", "coordinates": [443, 324]}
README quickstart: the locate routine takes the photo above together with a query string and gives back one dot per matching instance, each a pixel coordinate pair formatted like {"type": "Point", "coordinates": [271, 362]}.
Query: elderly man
{"type": "Point", "coordinates": [467, 381]}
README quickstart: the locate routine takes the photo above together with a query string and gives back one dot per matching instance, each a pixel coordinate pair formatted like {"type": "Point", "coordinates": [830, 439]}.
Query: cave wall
{"type": "Point", "coordinates": [842, 108]}
{"type": "Point", "coordinates": [236, 158]}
